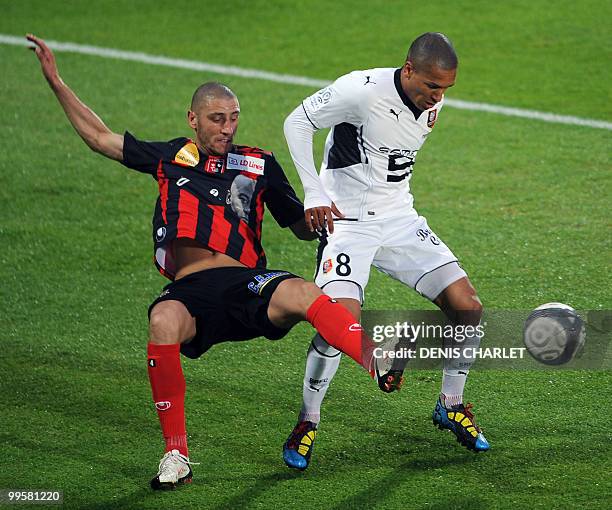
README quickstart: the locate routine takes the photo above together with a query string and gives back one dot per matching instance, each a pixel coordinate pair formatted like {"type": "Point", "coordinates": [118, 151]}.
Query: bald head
{"type": "Point", "coordinates": [432, 49]}
{"type": "Point", "coordinates": [209, 91]}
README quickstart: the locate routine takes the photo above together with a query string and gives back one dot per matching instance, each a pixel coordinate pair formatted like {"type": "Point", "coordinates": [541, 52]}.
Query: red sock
{"type": "Point", "coordinates": [168, 386]}
{"type": "Point", "coordinates": [340, 329]}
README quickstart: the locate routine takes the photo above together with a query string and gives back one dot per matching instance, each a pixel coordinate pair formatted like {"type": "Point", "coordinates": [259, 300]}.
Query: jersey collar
{"type": "Point", "coordinates": [405, 99]}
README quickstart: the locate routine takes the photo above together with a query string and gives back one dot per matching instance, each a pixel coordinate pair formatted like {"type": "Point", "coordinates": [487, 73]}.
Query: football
{"type": "Point", "coordinates": [554, 333]}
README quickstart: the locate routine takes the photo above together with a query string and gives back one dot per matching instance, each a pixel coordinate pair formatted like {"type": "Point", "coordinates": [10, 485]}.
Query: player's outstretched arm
{"type": "Point", "coordinates": [86, 123]}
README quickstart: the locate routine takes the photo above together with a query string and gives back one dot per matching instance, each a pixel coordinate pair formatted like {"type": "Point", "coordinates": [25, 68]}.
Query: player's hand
{"type": "Point", "coordinates": [318, 218]}
{"type": "Point", "coordinates": [46, 58]}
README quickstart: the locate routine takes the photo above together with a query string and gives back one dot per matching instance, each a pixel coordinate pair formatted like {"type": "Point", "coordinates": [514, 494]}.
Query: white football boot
{"type": "Point", "coordinates": [174, 469]}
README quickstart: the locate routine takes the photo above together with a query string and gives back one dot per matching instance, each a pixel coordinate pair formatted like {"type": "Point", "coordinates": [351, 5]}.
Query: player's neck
{"type": "Point", "coordinates": [401, 86]}
{"type": "Point", "coordinates": [210, 153]}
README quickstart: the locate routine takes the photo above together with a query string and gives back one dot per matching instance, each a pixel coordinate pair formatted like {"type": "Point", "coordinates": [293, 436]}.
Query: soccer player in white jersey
{"type": "Point", "coordinates": [379, 120]}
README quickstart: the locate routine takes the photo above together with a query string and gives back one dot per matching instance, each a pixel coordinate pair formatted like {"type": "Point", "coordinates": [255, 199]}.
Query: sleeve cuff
{"type": "Point", "coordinates": [319, 200]}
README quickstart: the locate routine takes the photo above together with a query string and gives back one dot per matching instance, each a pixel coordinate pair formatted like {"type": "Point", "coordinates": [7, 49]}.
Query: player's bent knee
{"type": "Point", "coordinates": [286, 304]}
{"type": "Point", "coordinates": [295, 296]}
{"type": "Point", "coordinates": [469, 310]}
{"type": "Point", "coordinates": [170, 322]}
{"type": "Point", "coordinates": [469, 303]}
{"type": "Point", "coordinates": [309, 291]}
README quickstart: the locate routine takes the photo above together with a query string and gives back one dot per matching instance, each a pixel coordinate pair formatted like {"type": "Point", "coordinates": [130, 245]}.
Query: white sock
{"type": "Point", "coordinates": [455, 371]}
{"type": "Point", "coordinates": [453, 382]}
{"type": "Point", "coordinates": [322, 362]}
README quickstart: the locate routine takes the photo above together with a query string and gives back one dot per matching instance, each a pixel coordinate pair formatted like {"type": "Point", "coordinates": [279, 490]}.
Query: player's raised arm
{"type": "Point", "coordinates": [87, 124]}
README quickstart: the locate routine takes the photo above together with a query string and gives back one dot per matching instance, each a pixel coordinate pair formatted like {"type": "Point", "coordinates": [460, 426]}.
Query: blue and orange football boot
{"type": "Point", "coordinates": [298, 447]}
{"type": "Point", "coordinates": [459, 419]}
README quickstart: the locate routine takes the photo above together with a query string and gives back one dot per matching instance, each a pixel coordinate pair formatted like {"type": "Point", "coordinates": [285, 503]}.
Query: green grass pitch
{"type": "Point", "coordinates": [525, 204]}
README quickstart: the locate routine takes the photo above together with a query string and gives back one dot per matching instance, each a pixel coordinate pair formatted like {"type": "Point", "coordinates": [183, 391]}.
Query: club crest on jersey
{"type": "Point", "coordinates": [246, 163]}
{"type": "Point", "coordinates": [188, 155]}
{"type": "Point", "coordinates": [431, 118]}
{"type": "Point", "coordinates": [327, 266]}
{"type": "Point", "coordinates": [214, 165]}
{"type": "Point", "coordinates": [261, 280]}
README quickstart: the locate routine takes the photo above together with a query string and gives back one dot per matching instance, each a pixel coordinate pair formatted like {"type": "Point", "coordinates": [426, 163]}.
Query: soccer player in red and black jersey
{"type": "Point", "coordinates": [207, 240]}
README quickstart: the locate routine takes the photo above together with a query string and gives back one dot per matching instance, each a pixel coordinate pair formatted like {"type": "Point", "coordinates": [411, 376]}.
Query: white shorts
{"type": "Point", "coordinates": [405, 248]}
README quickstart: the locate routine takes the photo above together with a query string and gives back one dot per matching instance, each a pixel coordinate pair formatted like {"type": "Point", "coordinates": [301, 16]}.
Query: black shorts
{"type": "Point", "coordinates": [228, 303]}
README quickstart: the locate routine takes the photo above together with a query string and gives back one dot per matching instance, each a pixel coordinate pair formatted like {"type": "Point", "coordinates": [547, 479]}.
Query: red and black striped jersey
{"type": "Point", "coordinates": [216, 200]}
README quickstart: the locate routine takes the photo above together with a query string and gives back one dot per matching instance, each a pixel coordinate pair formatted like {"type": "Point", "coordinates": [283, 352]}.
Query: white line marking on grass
{"type": "Point", "coordinates": [290, 79]}
{"type": "Point", "coordinates": [528, 114]}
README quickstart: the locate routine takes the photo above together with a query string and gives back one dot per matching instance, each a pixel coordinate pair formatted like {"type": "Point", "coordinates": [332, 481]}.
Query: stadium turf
{"type": "Point", "coordinates": [525, 205]}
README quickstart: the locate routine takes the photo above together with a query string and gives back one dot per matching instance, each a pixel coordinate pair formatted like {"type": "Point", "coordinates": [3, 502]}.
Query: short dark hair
{"type": "Point", "coordinates": [433, 49]}
{"type": "Point", "coordinates": [210, 90]}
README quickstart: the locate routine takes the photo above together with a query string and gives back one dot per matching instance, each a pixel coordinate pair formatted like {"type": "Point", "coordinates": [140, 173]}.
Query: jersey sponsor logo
{"type": "Point", "coordinates": [424, 233]}
{"type": "Point", "coordinates": [327, 266]}
{"type": "Point", "coordinates": [355, 327]}
{"type": "Point", "coordinates": [182, 181]}
{"type": "Point", "coordinates": [431, 118]}
{"type": "Point", "coordinates": [391, 110]}
{"type": "Point", "coordinates": [163, 405]}
{"type": "Point", "coordinates": [319, 99]}
{"type": "Point", "coordinates": [246, 163]}
{"type": "Point", "coordinates": [214, 192]}
{"type": "Point", "coordinates": [261, 280]}
{"type": "Point", "coordinates": [407, 153]}
{"type": "Point", "coordinates": [188, 155]}
{"type": "Point", "coordinates": [214, 165]}
{"type": "Point", "coordinates": [400, 160]}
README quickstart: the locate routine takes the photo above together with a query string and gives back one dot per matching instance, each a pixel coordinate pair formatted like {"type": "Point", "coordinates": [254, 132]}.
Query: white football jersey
{"type": "Point", "coordinates": [375, 137]}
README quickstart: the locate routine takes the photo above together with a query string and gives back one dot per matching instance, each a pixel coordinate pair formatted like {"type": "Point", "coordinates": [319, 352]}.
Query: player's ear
{"type": "Point", "coordinates": [408, 68]}
{"type": "Point", "coordinates": [192, 119]}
